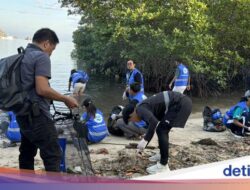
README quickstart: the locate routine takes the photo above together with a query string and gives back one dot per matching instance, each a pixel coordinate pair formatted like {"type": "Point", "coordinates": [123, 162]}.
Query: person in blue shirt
{"type": "Point", "coordinates": [4, 121]}
{"type": "Point", "coordinates": [133, 130]}
{"type": "Point", "coordinates": [133, 75]}
{"type": "Point", "coordinates": [181, 79]}
{"type": "Point", "coordinates": [236, 118]}
{"type": "Point", "coordinates": [94, 126]}
{"type": "Point", "coordinates": [79, 80]}
{"type": "Point", "coordinates": [10, 128]}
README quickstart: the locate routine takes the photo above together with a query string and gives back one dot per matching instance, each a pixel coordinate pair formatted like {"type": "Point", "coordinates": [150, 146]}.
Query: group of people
{"type": "Point", "coordinates": [37, 129]}
{"type": "Point", "coordinates": [141, 117]}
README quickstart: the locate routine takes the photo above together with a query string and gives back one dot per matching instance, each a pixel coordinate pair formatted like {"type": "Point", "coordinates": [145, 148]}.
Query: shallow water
{"type": "Point", "coordinates": [105, 92]}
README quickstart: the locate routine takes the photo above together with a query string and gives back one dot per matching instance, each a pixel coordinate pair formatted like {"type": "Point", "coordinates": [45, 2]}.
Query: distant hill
{"type": "Point", "coordinates": [2, 34]}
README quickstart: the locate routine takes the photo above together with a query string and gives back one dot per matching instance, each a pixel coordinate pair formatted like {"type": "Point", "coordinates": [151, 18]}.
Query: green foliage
{"type": "Point", "coordinates": [211, 36]}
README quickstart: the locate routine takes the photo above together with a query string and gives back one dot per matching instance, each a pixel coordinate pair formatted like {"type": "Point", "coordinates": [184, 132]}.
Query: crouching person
{"type": "Point", "coordinates": [4, 121]}
{"type": "Point", "coordinates": [235, 119]}
{"type": "Point", "coordinates": [161, 112]}
{"type": "Point", "coordinates": [134, 130]}
{"type": "Point", "coordinates": [94, 128]}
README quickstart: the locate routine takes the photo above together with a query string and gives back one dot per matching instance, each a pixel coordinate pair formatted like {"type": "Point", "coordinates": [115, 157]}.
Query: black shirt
{"type": "Point", "coordinates": [153, 109]}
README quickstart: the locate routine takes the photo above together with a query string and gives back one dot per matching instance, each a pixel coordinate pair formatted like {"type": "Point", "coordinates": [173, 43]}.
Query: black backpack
{"type": "Point", "coordinates": [111, 123]}
{"type": "Point", "coordinates": [212, 120]}
{"type": "Point", "coordinates": [12, 95]}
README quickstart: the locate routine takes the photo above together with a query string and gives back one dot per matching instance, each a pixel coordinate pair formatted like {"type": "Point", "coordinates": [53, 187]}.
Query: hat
{"type": "Point", "coordinates": [127, 111]}
{"type": "Point", "coordinates": [247, 94]}
{"type": "Point", "coordinates": [87, 101]}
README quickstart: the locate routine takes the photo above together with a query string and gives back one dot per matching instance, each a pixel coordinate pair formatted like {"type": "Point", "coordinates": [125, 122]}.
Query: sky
{"type": "Point", "coordinates": [21, 18]}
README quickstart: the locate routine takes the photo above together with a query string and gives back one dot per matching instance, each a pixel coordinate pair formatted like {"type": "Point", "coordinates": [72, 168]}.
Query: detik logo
{"type": "Point", "coordinates": [235, 171]}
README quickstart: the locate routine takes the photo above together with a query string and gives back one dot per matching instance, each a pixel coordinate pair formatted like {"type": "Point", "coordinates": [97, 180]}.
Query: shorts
{"type": "Point", "coordinates": [79, 88]}
{"type": "Point", "coordinates": [180, 89]}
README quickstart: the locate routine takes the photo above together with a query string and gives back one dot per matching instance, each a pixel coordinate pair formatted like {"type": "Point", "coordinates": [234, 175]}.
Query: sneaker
{"type": "Point", "coordinates": [78, 169]}
{"type": "Point", "coordinates": [134, 138]}
{"type": "Point", "coordinates": [238, 136]}
{"type": "Point", "coordinates": [155, 158]}
{"type": "Point", "coordinates": [157, 168]}
{"type": "Point", "coordinates": [247, 133]}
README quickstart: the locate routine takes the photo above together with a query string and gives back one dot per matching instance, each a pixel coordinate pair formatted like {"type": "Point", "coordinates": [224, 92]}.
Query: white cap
{"type": "Point", "coordinates": [247, 93]}
{"type": "Point", "coordinates": [113, 116]}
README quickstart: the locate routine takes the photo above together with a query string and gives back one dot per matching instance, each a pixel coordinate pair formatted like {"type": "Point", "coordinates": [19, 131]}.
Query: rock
{"type": "Point", "coordinates": [102, 151]}
{"type": "Point", "coordinates": [136, 175]}
{"type": "Point", "coordinates": [5, 144]}
{"type": "Point", "coordinates": [78, 169]}
{"type": "Point", "coordinates": [207, 141]}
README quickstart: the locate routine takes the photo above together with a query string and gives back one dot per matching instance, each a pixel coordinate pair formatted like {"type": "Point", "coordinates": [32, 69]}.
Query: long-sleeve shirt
{"type": "Point", "coordinates": [153, 109]}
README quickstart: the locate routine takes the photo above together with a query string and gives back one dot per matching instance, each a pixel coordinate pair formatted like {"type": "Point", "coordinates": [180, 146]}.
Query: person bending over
{"type": "Point", "coordinates": [161, 112]}
{"type": "Point", "coordinates": [79, 80]}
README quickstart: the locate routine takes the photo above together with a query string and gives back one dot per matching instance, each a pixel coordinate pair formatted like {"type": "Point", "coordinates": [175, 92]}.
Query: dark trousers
{"type": "Point", "coordinates": [130, 130]}
{"type": "Point", "coordinates": [39, 133]}
{"type": "Point", "coordinates": [163, 139]}
{"type": "Point", "coordinates": [239, 130]}
{"type": "Point", "coordinates": [236, 129]}
{"type": "Point", "coordinates": [176, 116]}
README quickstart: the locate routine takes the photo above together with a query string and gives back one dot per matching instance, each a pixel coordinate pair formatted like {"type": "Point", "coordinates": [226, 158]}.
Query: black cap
{"type": "Point", "coordinates": [127, 111]}
{"type": "Point", "coordinates": [87, 101]}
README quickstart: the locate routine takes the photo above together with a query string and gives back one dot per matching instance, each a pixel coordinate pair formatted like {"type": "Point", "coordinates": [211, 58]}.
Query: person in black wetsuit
{"type": "Point", "coordinates": [161, 112]}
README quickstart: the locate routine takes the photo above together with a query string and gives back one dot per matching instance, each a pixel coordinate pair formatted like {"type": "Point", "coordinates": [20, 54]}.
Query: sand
{"type": "Point", "coordinates": [111, 158]}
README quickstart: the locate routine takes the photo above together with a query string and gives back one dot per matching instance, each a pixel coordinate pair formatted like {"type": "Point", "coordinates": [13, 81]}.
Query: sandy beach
{"type": "Point", "coordinates": [187, 148]}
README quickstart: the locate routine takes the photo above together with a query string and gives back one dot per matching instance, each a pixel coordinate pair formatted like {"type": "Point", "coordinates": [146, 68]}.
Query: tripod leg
{"type": "Point", "coordinates": [84, 151]}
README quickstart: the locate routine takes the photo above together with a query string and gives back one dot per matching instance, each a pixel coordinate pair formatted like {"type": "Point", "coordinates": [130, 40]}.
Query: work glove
{"type": "Point", "coordinates": [124, 96]}
{"type": "Point", "coordinates": [113, 116]}
{"type": "Point", "coordinates": [141, 145]}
